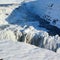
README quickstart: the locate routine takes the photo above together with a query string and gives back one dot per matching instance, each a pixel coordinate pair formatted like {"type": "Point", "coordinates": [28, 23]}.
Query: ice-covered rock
{"type": "Point", "coordinates": [7, 30]}
{"type": "Point", "coordinates": [18, 34]}
{"type": "Point", "coordinates": [29, 34]}
{"type": "Point", "coordinates": [50, 43]}
{"type": "Point", "coordinates": [8, 35]}
{"type": "Point", "coordinates": [40, 38]}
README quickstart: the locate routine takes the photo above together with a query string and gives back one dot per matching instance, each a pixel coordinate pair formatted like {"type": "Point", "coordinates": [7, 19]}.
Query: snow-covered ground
{"type": "Point", "coordinates": [20, 30]}
{"type": "Point", "coordinates": [10, 50]}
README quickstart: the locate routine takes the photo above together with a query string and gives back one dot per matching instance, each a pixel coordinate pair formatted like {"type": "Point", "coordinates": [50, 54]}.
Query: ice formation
{"type": "Point", "coordinates": [40, 38]}
{"type": "Point", "coordinates": [21, 24]}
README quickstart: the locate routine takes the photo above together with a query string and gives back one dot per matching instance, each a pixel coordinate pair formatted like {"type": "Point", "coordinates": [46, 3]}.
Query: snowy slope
{"type": "Point", "coordinates": [20, 15]}
{"type": "Point", "coordinates": [49, 10]}
{"type": "Point", "coordinates": [10, 50]}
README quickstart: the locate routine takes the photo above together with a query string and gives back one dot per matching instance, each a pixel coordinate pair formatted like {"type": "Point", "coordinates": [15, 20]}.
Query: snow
{"type": "Point", "coordinates": [10, 1]}
{"type": "Point", "coordinates": [10, 50]}
{"type": "Point", "coordinates": [20, 30]}
{"type": "Point", "coordinates": [45, 10]}
{"type": "Point", "coordinates": [48, 10]}
{"type": "Point", "coordinates": [14, 17]}
{"type": "Point", "coordinates": [58, 51]}
{"type": "Point", "coordinates": [40, 38]}
{"type": "Point", "coordinates": [8, 34]}
{"type": "Point", "coordinates": [28, 34]}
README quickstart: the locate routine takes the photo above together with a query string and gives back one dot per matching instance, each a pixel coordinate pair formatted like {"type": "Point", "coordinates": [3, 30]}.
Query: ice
{"type": "Point", "coordinates": [22, 37]}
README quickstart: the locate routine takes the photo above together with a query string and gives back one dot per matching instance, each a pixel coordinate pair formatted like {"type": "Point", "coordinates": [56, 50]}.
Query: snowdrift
{"type": "Point", "coordinates": [10, 50]}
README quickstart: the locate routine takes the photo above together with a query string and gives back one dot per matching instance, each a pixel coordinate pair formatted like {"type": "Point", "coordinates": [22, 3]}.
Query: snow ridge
{"type": "Point", "coordinates": [29, 34]}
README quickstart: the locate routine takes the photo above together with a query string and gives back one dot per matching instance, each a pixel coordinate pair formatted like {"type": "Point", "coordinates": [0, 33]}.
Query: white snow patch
{"type": "Point", "coordinates": [10, 50]}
